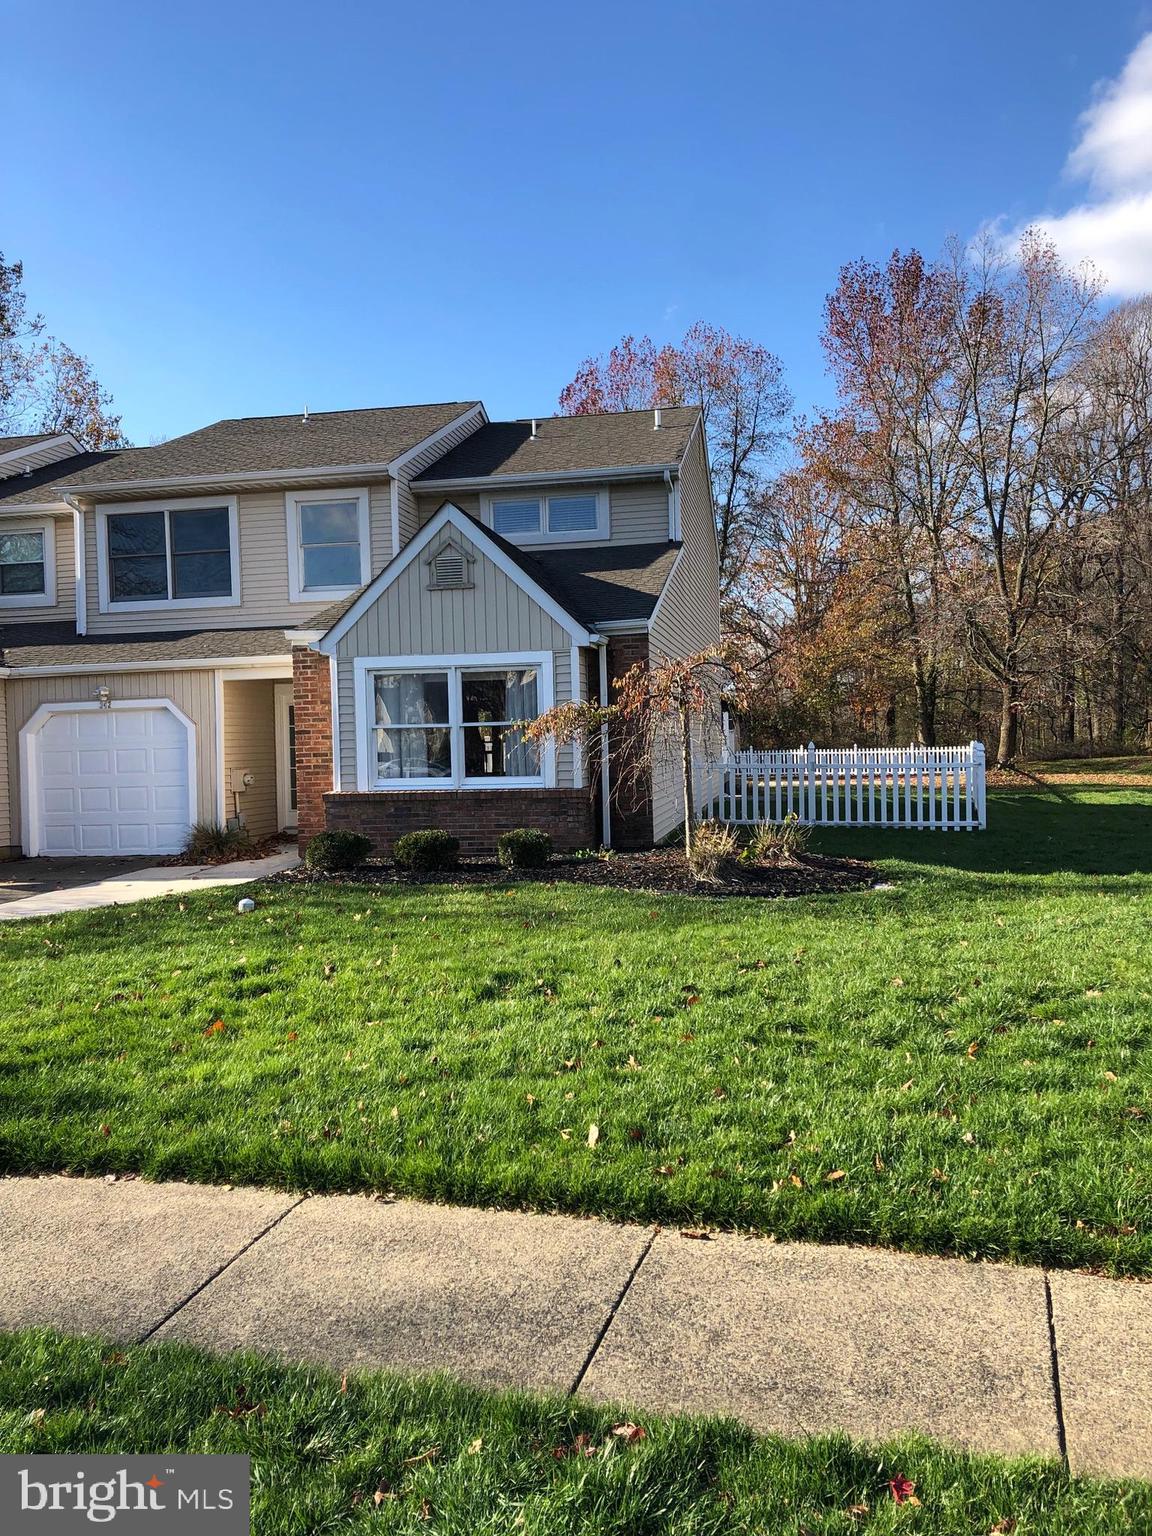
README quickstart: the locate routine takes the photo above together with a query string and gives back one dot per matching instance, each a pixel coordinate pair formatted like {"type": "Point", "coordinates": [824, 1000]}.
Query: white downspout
{"type": "Point", "coordinates": [605, 771]}
{"type": "Point", "coordinates": [80, 583]}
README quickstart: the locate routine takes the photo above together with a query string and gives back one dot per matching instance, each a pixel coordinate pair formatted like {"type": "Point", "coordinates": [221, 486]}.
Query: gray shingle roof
{"type": "Point", "coordinates": [563, 444]}
{"type": "Point", "coordinates": [50, 482]}
{"type": "Point", "coordinates": [14, 444]}
{"type": "Point", "coordinates": [596, 584]}
{"type": "Point", "coordinates": [58, 645]}
{"type": "Point", "coordinates": [245, 444]}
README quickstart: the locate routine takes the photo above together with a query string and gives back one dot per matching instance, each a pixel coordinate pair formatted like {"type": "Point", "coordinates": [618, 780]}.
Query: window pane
{"type": "Point", "coordinates": [136, 533]}
{"type": "Point", "coordinates": [499, 752]}
{"type": "Point", "coordinates": [198, 530]}
{"type": "Point", "coordinates": [21, 578]}
{"type": "Point", "coordinates": [144, 576]}
{"type": "Point", "coordinates": [499, 696]}
{"type": "Point", "coordinates": [332, 565]}
{"type": "Point", "coordinates": [208, 575]}
{"type": "Point", "coordinates": [20, 548]}
{"type": "Point", "coordinates": [571, 514]}
{"type": "Point", "coordinates": [329, 522]}
{"type": "Point", "coordinates": [516, 516]}
{"type": "Point", "coordinates": [413, 752]}
{"type": "Point", "coordinates": [411, 698]}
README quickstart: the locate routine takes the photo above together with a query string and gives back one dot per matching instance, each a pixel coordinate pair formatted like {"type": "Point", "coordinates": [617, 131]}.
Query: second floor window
{"type": "Point", "coordinates": [328, 539]}
{"type": "Point", "coordinates": [22, 564]}
{"type": "Point", "coordinates": [529, 519]}
{"type": "Point", "coordinates": [174, 555]}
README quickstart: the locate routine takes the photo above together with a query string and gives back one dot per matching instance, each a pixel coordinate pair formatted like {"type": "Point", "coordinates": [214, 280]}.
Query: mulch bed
{"type": "Point", "coordinates": [662, 870]}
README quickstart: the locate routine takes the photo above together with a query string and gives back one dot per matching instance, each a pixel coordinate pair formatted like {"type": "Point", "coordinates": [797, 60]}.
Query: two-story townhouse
{"type": "Point", "coordinates": [337, 620]}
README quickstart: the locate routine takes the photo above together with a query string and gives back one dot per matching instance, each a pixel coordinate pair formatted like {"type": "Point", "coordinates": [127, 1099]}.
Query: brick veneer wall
{"type": "Point", "coordinates": [312, 701]}
{"type": "Point", "coordinates": [631, 797]}
{"type": "Point", "coordinates": [475, 816]}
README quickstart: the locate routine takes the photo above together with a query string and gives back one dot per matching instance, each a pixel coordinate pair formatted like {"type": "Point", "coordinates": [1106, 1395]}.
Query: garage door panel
{"type": "Point", "coordinates": [112, 781]}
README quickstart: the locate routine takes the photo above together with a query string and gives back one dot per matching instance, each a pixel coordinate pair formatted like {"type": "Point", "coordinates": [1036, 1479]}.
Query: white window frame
{"type": "Point", "coordinates": [365, 669]}
{"type": "Point", "coordinates": [47, 529]}
{"type": "Point", "coordinates": [488, 499]}
{"type": "Point", "coordinates": [293, 501]}
{"type": "Point", "coordinates": [108, 604]}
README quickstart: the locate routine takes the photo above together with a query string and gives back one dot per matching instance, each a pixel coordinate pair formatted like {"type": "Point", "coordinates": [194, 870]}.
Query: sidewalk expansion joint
{"type": "Point", "coordinates": [1061, 1437]}
{"type": "Point", "coordinates": [615, 1307]}
{"type": "Point", "coordinates": [218, 1271]}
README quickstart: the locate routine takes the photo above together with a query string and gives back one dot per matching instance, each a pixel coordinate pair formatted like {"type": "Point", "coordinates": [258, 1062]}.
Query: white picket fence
{"type": "Point", "coordinates": [938, 789]}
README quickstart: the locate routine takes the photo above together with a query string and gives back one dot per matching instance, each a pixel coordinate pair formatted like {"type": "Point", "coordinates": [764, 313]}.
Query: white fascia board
{"type": "Point", "coordinates": [34, 508]}
{"type": "Point", "coordinates": [623, 627]}
{"type": "Point", "coordinates": [188, 664]}
{"type": "Point", "coordinates": [303, 636]}
{"type": "Point", "coordinates": [547, 477]}
{"type": "Point", "coordinates": [472, 531]}
{"type": "Point", "coordinates": [433, 438]}
{"type": "Point", "coordinates": [33, 450]}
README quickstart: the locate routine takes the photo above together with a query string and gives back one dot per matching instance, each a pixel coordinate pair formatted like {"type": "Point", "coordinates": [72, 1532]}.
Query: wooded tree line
{"type": "Point", "coordinates": [963, 545]}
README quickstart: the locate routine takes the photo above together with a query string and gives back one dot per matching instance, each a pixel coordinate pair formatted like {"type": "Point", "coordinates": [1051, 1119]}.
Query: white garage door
{"type": "Point", "coordinates": [111, 781]}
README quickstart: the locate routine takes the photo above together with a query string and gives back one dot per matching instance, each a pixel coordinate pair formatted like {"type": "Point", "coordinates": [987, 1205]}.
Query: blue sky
{"type": "Point", "coordinates": [239, 209]}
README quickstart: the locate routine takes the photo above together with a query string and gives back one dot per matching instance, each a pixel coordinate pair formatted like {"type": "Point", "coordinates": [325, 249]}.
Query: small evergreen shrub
{"type": "Point", "coordinates": [430, 848]}
{"type": "Point", "coordinates": [209, 840]}
{"type": "Point", "coordinates": [524, 848]}
{"type": "Point", "coordinates": [334, 851]}
{"type": "Point", "coordinates": [714, 848]}
{"type": "Point", "coordinates": [782, 843]}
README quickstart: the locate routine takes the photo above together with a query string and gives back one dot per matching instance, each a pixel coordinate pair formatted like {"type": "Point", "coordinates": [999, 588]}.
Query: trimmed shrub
{"type": "Point", "coordinates": [714, 848]}
{"type": "Point", "coordinates": [209, 840]}
{"type": "Point", "coordinates": [333, 851]}
{"type": "Point", "coordinates": [524, 848]}
{"type": "Point", "coordinates": [782, 843]}
{"type": "Point", "coordinates": [428, 849]}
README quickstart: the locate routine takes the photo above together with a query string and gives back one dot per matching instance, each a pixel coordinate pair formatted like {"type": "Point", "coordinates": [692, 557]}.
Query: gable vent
{"type": "Point", "coordinates": [449, 568]}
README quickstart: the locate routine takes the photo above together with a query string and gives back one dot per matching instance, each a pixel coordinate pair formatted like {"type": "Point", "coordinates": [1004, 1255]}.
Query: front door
{"type": "Point", "coordinates": [285, 756]}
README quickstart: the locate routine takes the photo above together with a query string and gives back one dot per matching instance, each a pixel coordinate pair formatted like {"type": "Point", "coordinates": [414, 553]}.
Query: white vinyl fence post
{"type": "Point", "coordinates": [810, 781]}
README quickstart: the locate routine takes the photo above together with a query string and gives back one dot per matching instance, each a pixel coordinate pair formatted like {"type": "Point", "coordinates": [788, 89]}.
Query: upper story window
{"type": "Point", "coordinates": [329, 553]}
{"type": "Point", "coordinates": [156, 555]}
{"type": "Point", "coordinates": [24, 559]}
{"type": "Point", "coordinates": [564, 517]}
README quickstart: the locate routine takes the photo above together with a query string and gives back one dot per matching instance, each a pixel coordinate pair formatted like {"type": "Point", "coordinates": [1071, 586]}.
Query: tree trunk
{"type": "Point", "coordinates": [1009, 744]}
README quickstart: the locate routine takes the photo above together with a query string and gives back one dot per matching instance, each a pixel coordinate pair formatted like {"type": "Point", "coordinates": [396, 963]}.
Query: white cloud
{"type": "Point", "coordinates": [1112, 226]}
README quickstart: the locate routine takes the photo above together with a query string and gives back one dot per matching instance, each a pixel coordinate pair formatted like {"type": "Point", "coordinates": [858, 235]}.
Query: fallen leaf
{"type": "Point", "coordinates": [903, 1490]}
{"type": "Point", "coordinates": [667, 1169]}
{"type": "Point", "coordinates": [344, 1382]}
{"type": "Point", "coordinates": [566, 1132]}
{"type": "Point", "coordinates": [795, 1179]}
{"type": "Point", "coordinates": [105, 1130]}
{"type": "Point", "coordinates": [1003, 1527]}
{"type": "Point", "coordinates": [837, 1173]}
{"type": "Point", "coordinates": [973, 1049]}
{"type": "Point", "coordinates": [629, 1432]}
{"type": "Point", "coordinates": [1111, 1076]}
{"type": "Point", "coordinates": [429, 1455]}
{"type": "Point", "coordinates": [383, 1491]}
{"type": "Point", "coordinates": [700, 1237]}
{"type": "Point", "coordinates": [897, 981]}
{"type": "Point", "coordinates": [593, 1135]}
{"type": "Point", "coordinates": [476, 1446]}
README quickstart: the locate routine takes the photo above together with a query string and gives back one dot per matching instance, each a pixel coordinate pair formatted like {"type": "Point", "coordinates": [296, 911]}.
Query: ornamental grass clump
{"type": "Point", "coordinates": [779, 843]}
{"type": "Point", "coordinates": [715, 848]}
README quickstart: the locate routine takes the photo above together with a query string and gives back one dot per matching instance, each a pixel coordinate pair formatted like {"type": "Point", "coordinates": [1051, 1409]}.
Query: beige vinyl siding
{"type": "Point", "coordinates": [8, 838]}
{"type": "Point", "coordinates": [494, 615]}
{"type": "Point", "coordinates": [250, 745]}
{"type": "Point", "coordinates": [263, 573]}
{"type": "Point", "coordinates": [192, 692]}
{"type": "Point", "coordinates": [687, 620]}
{"type": "Point", "coordinates": [407, 500]}
{"type": "Point", "coordinates": [637, 510]}
{"type": "Point", "coordinates": [64, 536]}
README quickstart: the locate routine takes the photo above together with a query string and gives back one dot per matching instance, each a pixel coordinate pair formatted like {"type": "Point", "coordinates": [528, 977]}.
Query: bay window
{"type": "Point", "coordinates": [449, 726]}
{"type": "Point", "coordinates": [183, 554]}
{"type": "Point", "coordinates": [563, 517]}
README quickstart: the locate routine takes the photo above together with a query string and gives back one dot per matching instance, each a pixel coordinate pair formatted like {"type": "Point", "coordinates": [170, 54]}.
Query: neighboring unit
{"type": "Point", "coordinates": [338, 620]}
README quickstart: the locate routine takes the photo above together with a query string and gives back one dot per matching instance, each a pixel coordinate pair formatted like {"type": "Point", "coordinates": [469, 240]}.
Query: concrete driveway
{"type": "Point", "coordinates": [39, 877]}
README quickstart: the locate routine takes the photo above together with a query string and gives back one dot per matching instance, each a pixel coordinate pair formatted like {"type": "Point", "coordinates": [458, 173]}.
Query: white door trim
{"type": "Point", "coordinates": [287, 815]}
{"type": "Point", "coordinates": [31, 831]}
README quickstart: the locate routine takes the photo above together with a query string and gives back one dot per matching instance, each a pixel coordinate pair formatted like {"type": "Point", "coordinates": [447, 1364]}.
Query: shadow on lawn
{"type": "Point", "coordinates": [1041, 832]}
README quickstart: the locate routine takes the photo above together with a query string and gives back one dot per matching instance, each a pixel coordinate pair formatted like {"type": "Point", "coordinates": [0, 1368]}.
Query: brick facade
{"type": "Point", "coordinates": [312, 704]}
{"type": "Point", "coordinates": [475, 816]}
{"type": "Point", "coordinates": [631, 794]}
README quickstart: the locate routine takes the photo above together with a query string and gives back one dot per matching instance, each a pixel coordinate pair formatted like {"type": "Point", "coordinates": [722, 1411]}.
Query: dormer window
{"type": "Point", "coordinates": [449, 568]}
{"type": "Point", "coordinates": [329, 551]}
{"type": "Point", "coordinates": [563, 517]}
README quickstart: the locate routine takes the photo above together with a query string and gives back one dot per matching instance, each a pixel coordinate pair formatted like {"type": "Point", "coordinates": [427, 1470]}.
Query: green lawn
{"type": "Point", "coordinates": [962, 1063]}
{"type": "Point", "coordinates": [512, 1463]}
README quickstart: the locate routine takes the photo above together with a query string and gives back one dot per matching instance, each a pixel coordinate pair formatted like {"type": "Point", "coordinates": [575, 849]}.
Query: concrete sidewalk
{"type": "Point", "coordinates": [143, 884]}
{"type": "Point", "coordinates": [791, 1338]}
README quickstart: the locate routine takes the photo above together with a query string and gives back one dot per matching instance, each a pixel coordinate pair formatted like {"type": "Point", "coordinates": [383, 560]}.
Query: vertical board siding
{"type": "Point", "coordinates": [250, 744]}
{"type": "Point", "coordinates": [263, 574]}
{"type": "Point", "coordinates": [8, 837]}
{"type": "Point", "coordinates": [64, 536]}
{"type": "Point", "coordinates": [927, 789]}
{"type": "Point", "coordinates": [192, 692]}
